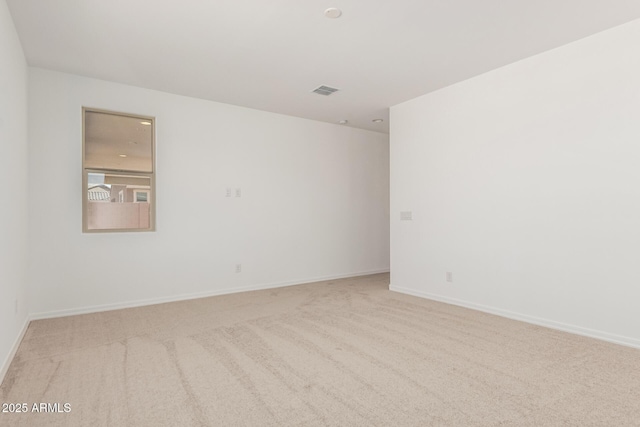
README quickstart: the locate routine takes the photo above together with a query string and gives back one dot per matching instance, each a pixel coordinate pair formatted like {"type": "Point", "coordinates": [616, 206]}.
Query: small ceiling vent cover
{"type": "Point", "coordinates": [325, 90]}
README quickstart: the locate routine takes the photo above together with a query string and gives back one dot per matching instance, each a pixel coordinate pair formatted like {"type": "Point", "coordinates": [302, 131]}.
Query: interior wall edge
{"type": "Point", "coordinates": [14, 349]}
{"type": "Point", "coordinates": [547, 323]}
{"type": "Point", "coordinates": [190, 296]}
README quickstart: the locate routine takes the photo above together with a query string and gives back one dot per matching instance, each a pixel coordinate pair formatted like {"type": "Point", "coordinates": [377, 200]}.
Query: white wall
{"type": "Point", "coordinates": [314, 200]}
{"type": "Point", "coordinates": [525, 184]}
{"type": "Point", "coordinates": [13, 182]}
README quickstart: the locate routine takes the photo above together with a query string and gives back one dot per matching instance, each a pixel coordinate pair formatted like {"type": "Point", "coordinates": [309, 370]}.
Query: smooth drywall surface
{"type": "Point", "coordinates": [524, 183]}
{"type": "Point", "coordinates": [13, 179]}
{"type": "Point", "coordinates": [313, 200]}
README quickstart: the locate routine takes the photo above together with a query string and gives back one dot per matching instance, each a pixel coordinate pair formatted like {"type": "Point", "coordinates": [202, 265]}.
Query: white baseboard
{"type": "Point", "coordinates": [183, 297]}
{"type": "Point", "coordinates": [7, 361]}
{"type": "Point", "coordinates": [578, 330]}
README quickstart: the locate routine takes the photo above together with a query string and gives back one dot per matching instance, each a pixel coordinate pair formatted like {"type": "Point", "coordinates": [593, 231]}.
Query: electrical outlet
{"type": "Point", "coordinates": [228, 191]}
{"type": "Point", "coordinates": [238, 192]}
{"type": "Point", "coordinates": [238, 268]}
{"type": "Point", "coordinates": [406, 216]}
{"type": "Point", "coordinates": [449, 277]}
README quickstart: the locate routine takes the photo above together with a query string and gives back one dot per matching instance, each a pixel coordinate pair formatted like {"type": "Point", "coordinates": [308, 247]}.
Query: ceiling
{"type": "Point", "coordinates": [270, 55]}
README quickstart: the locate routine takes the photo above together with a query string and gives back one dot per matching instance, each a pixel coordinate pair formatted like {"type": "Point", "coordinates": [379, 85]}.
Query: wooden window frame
{"type": "Point", "coordinates": [152, 175]}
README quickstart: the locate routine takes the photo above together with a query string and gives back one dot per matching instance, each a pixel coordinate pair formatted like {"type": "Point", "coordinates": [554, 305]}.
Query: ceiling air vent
{"type": "Point", "coordinates": [325, 90]}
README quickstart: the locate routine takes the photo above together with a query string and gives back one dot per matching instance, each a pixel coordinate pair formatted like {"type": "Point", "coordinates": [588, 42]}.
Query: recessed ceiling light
{"type": "Point", "coordinates": [122, 155]}
{"type": "Point", "coordinates": [377, 120]}
{"type": "Point", "coordinates": [343, 122]}
{"type": "Point", "coordinates": [333, 13]}
{"type": "Point", "coordinates": [146, 123]}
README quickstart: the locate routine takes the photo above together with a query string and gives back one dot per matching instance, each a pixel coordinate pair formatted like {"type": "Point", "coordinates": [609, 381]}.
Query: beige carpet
{"type": "Point", "coordinates": [340, 353]}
